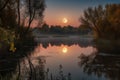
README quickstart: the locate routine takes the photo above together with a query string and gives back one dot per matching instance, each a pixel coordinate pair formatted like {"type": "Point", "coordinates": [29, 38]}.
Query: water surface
{"type": "Point", "coordinates": [77, 58]}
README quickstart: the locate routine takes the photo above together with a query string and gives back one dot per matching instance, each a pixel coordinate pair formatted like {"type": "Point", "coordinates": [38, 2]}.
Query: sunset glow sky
{"type": "Point", "coordinates": [57, 10]}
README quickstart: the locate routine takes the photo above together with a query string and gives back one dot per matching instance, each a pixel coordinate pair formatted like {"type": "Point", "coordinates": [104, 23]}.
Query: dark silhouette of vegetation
{"type": "Point", "coordinates": [104, 65]}
{"type": "Point", "coordinates": [104, 21]}
{"type": "Point", "coordinates": [57, 29]}
{"type": "Point", "coordinates": [107, 46]}
{"type": "Point", "coordinates": [16, 17]}
{"type": "Point", "coordinates": [68, 42]}
{"type": "Point", "coordinates": [16, 40]}
{"type": "Point", "coordinates": [10, 60]}
{"type": "Point", "coordinates": [3, 6]}
{"type": "Point", "coordinates": [25, 68]}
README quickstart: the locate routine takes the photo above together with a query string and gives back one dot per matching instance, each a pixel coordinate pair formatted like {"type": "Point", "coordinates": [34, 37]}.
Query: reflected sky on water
{"type": "Point", "coordinates": [68, 56]}
{"type": "Point", "coordinates": [79, 57]}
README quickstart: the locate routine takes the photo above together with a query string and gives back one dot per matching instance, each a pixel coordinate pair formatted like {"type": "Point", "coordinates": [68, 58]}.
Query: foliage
{"type": "Point", "coordinates": [7, 37]}
{"type": "Point", "coordinates": [57, 29]}
{"type": "Point", "coordinates": [16, 17]}
{"type": "Point", "coordinates": [8, 15]}
{"type": "Point", "coordinates": [19, 13]}
{"type": "Point", "coordinates": [104, 21]}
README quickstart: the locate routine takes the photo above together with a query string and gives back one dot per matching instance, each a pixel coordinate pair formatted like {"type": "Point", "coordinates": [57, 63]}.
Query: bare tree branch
{"type": "Point", "coordinates": [4, 5]}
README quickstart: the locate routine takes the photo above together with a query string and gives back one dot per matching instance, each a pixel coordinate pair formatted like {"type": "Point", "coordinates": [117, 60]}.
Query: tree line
{"type": "Point", "coordinates": [16, 17]}
{"type": "Point", "coordinates": [57, 29]}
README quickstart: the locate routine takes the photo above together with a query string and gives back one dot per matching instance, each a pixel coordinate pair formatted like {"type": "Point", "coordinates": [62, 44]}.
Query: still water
{"type": "Point", "coordinates": [79, 59]}
{"type": "Point", "coordinates": [67, 56]}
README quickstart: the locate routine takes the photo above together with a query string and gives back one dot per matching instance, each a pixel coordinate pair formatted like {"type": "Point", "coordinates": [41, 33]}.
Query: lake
{"type": "Point", "coordinates": [71, 58]}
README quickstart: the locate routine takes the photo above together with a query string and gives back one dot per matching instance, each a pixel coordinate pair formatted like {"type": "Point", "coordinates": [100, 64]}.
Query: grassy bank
{"type": "Point", "coordinates": [108, 46]}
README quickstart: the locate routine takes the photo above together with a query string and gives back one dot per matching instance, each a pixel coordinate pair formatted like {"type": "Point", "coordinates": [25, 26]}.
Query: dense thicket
{"type": "Point", "coordinates": [16, 17]}
{"type": "Point", "coordinates": [104, 21]}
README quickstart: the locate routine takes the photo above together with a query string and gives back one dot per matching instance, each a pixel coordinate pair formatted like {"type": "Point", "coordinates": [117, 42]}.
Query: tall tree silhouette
{"type": "Point", "coordinates": [104, 21]}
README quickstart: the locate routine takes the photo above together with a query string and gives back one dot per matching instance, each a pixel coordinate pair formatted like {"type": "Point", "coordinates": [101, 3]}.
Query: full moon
{"type": "Point", "coordinates": [65, 20]}
{"type": "Point", "coordinates": [64, 50]}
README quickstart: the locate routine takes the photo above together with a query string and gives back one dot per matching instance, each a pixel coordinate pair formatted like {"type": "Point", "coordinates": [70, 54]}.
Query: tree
{"type": "Point", "coordinates": [4, 5]}
{"type": "Point", "coordinates": [92, 17]}
{"type": "Point", "coordinates": [104, 21]}
{"type": "Point", "coordinates": [83, 29]}
{"type": "Point", "coordinates": [34, 10]}
{"type": "Point", "coordinates": [8, 14]}
{"type": "Point", "coordinates": [15, 12]}
{"type": "Point", "coordinates": [57, 29]}
{"type": "Point", "coordinates": [45, 28]}
{"type": "Point", "coordinates": [13, 15]}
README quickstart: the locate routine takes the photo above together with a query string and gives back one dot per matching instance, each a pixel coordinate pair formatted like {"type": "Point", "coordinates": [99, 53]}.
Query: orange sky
{"type": "Point", "coordinates": [56, 10]}
{"type": "Point", "coordinates": [57, 19]}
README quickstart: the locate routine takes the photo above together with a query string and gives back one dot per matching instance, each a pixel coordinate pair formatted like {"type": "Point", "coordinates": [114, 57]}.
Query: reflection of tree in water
{"type": "Point", "coordinates": [33, 68]}
{"type": "Point", "coordinates": [20, 65]}
{"type": "Point", "coordinates": [102, 65]}
{"type": "Point", "coordinates": [80, 42]}
{"type": "Point", "coordinates": [24, 69]}
{"type": "Point", "coordinates": [9, 61]}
